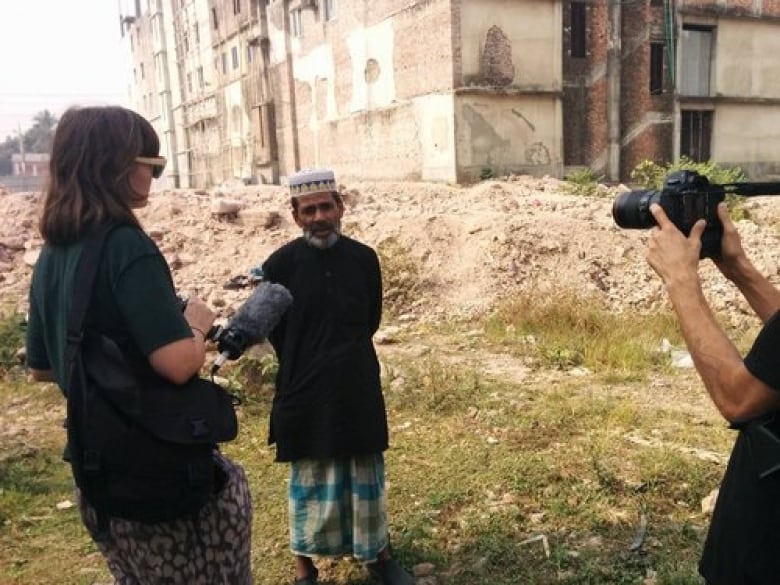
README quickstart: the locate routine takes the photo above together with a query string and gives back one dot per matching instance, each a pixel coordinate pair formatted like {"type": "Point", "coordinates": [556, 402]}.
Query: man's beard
{"type": "Point", "coordinates": [326, 242]}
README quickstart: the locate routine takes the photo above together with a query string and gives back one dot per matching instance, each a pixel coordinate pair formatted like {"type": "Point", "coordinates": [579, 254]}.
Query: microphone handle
{"type": "Point", "coordinates": [220, 359]}
{"type": "Point", "coordinates": [214, 332]}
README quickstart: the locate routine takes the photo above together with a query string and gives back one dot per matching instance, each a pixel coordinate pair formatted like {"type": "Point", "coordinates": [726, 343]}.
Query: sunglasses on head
{"type": "Point", "coordinates": [156, 162]}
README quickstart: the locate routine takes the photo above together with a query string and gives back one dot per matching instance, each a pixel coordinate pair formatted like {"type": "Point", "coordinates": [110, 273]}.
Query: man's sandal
{"type": "Point", "coordinates": [389, 572]}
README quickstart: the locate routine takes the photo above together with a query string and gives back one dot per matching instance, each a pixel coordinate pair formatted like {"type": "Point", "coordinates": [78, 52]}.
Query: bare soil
{"type": "Point", "coordinates": [469, 245]}
{"type": "Point", "coordinates": [463, 249]}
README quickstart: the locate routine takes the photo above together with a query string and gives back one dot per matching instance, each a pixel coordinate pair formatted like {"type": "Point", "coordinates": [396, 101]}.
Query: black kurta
{"type": "Point", "coordinates": [328, 400]}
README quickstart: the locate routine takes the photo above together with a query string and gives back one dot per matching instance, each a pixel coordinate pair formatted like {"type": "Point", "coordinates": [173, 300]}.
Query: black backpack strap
{"type": "Point", "coordinates": [83, 284]}
{"type": "Point", "coordinates": [81, 295]}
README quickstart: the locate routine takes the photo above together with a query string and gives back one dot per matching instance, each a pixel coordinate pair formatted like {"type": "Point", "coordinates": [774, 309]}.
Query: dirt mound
{"type": "Point", "coordinates": [467, 246]}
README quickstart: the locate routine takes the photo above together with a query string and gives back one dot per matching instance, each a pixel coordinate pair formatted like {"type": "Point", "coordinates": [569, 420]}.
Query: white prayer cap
{"type": "Point", "coordinates": [307, 181]}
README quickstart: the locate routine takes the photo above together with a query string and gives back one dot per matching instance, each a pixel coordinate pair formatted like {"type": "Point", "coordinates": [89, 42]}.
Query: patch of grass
{"type": "Point", "coordinates": [483, 470]}
{"type": "Point", "coordinates": [39, 542]}
{"type": "Point", "coordinates": [565, 330]}
{"type": "Point", "coordinates": [12, 336]}
{"type": "Point", "coordinates": [508, 463]}
{"type": "Point", "coordinates": [487, 173]}
{"type": "Point", "coordinates": [252, 377]}
{"type": "Point", "coordinates": [434, 387]}
{"type": "Point", "coordinates": [469, 490]}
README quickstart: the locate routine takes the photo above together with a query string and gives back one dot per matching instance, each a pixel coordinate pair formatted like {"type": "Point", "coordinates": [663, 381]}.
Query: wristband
{"type": "Point", "coordinates": [199, 331]}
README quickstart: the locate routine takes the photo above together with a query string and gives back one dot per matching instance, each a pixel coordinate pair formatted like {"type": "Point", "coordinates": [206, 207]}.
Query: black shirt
{"type": "Point", "coordinates": [743, 542]}
{"type": "Point", "coordinates": [328, 400]}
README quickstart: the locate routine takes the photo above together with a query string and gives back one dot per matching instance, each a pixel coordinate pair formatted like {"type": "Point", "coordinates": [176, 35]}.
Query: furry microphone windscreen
{"type": "Point", "coordinates": [257, 317]}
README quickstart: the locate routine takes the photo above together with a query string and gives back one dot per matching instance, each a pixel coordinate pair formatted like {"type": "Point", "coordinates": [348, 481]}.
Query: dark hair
{"type": "Point", "coordinates": [336, 197]}
{"type": "Point", "coordinates": [93, 152]}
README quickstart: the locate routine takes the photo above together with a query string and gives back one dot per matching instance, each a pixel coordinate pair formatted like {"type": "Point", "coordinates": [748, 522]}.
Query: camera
{"type": "Point", "coordinates": [686, 197]}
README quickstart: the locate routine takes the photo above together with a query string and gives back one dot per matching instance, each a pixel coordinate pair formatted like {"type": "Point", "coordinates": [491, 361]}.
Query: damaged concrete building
{"type": "Point", "coordinates": [451, 90]}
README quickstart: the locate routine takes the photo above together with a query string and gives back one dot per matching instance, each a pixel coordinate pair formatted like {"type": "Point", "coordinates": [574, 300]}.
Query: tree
{"type": "Point", "coordinates": [37, 139]}
{"type": "Point", "coordinates": [7, 148]}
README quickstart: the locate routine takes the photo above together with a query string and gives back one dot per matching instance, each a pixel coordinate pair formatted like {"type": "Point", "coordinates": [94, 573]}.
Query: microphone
{"type": "Point", "coordinates": [252, 322]}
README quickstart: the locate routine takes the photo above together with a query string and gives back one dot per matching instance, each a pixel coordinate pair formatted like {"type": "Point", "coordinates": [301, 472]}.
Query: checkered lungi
{"type": "Point", "coordinates": [338, 507]}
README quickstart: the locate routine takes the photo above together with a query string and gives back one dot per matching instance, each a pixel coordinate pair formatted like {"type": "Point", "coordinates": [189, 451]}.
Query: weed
{"type": "Point", "coordinates": [252, 373]}
{"type": "Point", "coordinates": [566, 330]}
{"type": "Point", "coordinates": [487, 173]}
{"type": "Point", "coordinates": [12, 331]}
{"type": "Point", "coordinates": [433, 386]}
{"type": "Point", "coordinates": [584, 182]}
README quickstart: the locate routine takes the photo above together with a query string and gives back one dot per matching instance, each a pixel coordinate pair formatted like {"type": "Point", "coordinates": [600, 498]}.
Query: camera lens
{"type": "Point", "coordinates": [631, 210]}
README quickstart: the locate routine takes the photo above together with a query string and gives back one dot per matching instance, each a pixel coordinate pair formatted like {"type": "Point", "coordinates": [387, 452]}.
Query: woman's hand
{"type": "Point", "coordinates": [198, 315]}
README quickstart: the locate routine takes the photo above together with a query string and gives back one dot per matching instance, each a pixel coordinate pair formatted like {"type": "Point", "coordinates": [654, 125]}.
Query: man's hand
{"type": "Point", "coordinates": [674, 257]}
{"type": "Point", "coordinates": [732, 255]}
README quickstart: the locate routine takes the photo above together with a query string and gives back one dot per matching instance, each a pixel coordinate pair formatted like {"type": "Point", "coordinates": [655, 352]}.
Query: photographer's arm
{"type": "Point", "coordinates": [737, 394]}
{"type": "Point", "coordinates": [734, 264]}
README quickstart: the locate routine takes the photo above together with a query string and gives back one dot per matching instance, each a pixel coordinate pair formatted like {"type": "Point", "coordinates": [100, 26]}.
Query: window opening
{"type": "Point", "coordinates": [656, 68]}
{"type": "Point", "coordinates": [296, 26]}
{"type": "Point", "coordinates": [696, 135]}
{"type": "Point", "coordinates": [578, 26]}
{"type": "Point", "coordinates": [696, 60]}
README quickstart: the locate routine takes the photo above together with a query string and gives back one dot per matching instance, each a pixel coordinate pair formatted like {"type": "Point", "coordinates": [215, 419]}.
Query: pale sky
{"type": "Point", "coordinates": [56, 53]}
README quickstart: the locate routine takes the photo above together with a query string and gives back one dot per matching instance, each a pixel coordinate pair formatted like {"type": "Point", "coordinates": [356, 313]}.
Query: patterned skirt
{"type": "Point", "coordinates": [213, 549]}
{"type": "Point", "coordinates": [338, 507]}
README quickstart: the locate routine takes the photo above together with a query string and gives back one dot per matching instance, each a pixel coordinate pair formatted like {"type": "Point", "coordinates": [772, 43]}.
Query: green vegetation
{"type": "Point", "coordinates": [487, 173]}
{"type": "Point", "coordinates": [562, 330]}
{"type": "Point", "coordinates": [651, 175]}
{"type": "Point", "coordinates": [12, 333]}
{"type": "Point", "coordinates": [585, 182]}
{"type": "Point", "coordinates": [494, 478]}
{"type": "Point", "coordinates": [37, 139]}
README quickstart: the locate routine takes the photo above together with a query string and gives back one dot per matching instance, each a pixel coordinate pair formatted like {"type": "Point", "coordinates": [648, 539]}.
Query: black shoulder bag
{"type": "Point", "coordinates": [141, 447]}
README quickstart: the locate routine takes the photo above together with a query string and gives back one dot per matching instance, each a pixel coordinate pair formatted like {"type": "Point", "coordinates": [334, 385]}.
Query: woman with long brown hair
{"type": "Point", "coordinates": [102, 164]}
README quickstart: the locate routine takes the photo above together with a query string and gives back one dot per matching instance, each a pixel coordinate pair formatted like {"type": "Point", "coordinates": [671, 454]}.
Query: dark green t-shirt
{"type": "Point", "coordinates": [134, 301]}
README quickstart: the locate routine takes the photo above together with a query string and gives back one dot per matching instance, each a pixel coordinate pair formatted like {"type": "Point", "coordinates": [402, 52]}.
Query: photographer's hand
{"type": "Point", "coordinates": [733, 261]}
{"type": "Point", "coordinates": [734, 264]}
{"type": "Point", "coordinates": [737, 394]}
{"type": "Point", "coordinates": [674, 257]}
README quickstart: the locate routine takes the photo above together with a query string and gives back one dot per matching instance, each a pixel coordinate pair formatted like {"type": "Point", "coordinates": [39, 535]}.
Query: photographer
{"type": "Point", "coordinates": [744, 536]}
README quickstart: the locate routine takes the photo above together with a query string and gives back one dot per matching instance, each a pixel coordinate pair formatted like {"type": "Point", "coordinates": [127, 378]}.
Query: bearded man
{"type": "Point", "coordinates": [328, 417]}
